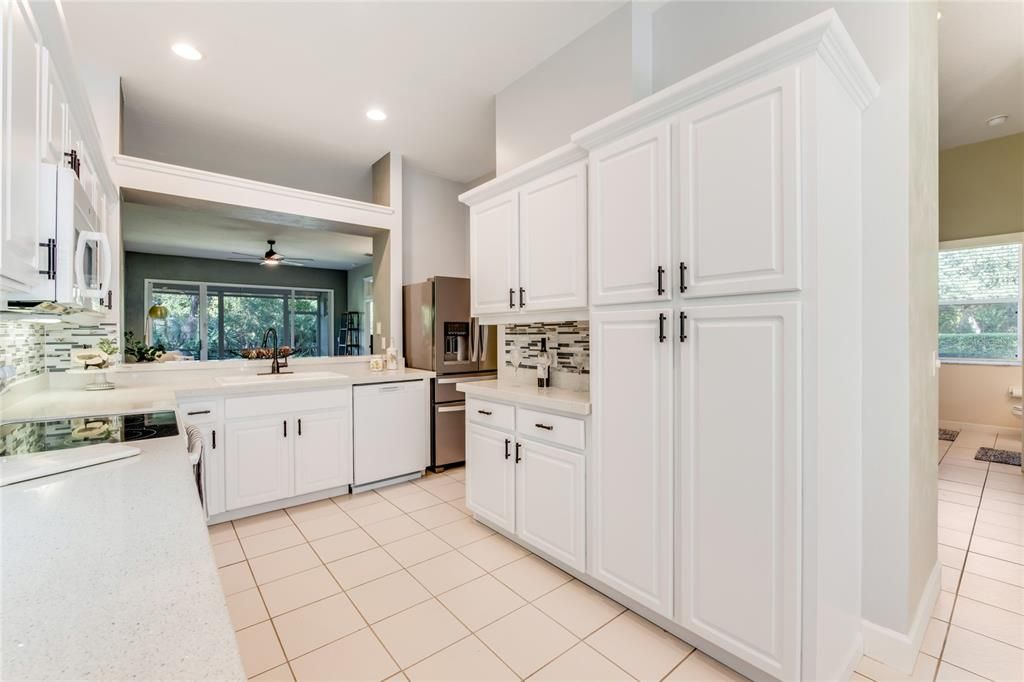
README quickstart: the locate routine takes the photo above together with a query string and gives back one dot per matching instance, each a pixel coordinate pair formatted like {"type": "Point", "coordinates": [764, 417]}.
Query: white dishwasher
{"type": "Point", "coordinates": [391, 430]}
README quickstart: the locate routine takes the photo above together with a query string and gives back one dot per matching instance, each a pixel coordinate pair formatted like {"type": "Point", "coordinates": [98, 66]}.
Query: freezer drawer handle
{"type": "Point", "coordinates": [486, 412]}
{"type": "Point", "coordinates": [546, 427]}
{"type": "Point", "coordinates": [452, 408]}
{"type": "Point", "coordinates": [507, 453]}
{"type": "Point", "coordinates": [466, 380]}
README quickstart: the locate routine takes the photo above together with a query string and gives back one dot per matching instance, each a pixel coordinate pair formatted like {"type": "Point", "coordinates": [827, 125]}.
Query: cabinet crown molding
{"type": "Point", "coordinates": [520, 175]}
{"type": "Point", "coordinates": [823, 35]}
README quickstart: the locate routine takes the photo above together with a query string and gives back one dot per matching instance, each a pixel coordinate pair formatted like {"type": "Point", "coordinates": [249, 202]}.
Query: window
{"type": "Point", "coordinates": [979, 298]}
{"type": "Point", "coordinates": [209, 321]}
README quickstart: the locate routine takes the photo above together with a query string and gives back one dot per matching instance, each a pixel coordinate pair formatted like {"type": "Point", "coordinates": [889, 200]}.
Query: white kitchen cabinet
{"type": "Point", "coordinates": [323, 450]}
{"type": "Point", "coordinates": [494, 255]}
{"type": "Point", "coordinates": [528, 239]}
{"type": "Point", "coordinates": [553, 240]}
{"type": "Point", "coordinates": [629, 218]}
{"type": "Point", "coordinates": [738, 188]}
{"type": "Point", "coordinates": [551, 501]}
{"type": "Point", "coordinates": [739, 488]}
{"type": "Point", "coordinates": [257, 462]}
{"type": "Point", "coordinates": [24, 78]}
{"type": "Point", "coordinates": [55, 108]}
{"type": "Point", "coordinates": [629, 492]}
{"type": "Point", "coordinates": [491, 476]}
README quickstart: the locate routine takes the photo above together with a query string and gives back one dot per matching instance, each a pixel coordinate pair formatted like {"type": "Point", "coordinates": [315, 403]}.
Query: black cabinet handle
{"type": "Point", "coordinates": [213, 436]}
{"type": "Point", "coordinates": [521, 292]}
{"type": "Point", "coordinates": [661, 327]}
{"type": "Point", "coordinates": [511, 297]}
{"type": "Point", "coordinates": [546, 427]}
{"type": "Point", "coordinates": [518, 458]}
{"type": "Point", "coordinates": [110, 299]}
{"type": "Point", "coordinates": [661, 280]}
{"type": "Point", "coordinates": [487, 412]}
{"type": "Point", "coordinates": [507, 453]}
{"type": "Point", "coordinates": [300, 426]}
{"type": "Point", "coordinates": [51, 257]}
{"type": "Point", "coordinates": [199, 412]}
{"type": "Point", "coordinates": [285, 425]}
{"type": "Point", "coordinates": [682, 277]}
{"type": "Point", "coordinates": [682, 327]}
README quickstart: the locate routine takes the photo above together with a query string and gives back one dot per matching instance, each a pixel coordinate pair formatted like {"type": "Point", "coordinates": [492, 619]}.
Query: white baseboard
{"type": "Point", "coordinates": [899, 650]}
{"type": "Point", "coordinates": [984, 428]}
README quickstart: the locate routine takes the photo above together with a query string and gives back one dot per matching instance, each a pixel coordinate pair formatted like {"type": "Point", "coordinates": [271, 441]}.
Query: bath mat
{"type": "Point", "coordinates": [948, 434]}
{"type": "Point", "coordinates": [999, 456]}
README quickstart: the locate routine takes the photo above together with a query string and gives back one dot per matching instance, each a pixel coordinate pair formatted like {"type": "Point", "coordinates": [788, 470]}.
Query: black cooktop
{"type": "Point", "coordinates": [59, 434]}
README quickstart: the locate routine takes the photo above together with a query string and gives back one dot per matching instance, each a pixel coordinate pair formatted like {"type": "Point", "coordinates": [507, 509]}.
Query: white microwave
{"type": "Point", "coordinates": [76, 253]}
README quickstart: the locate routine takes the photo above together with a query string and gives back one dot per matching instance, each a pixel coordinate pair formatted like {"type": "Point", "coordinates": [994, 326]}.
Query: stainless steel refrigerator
{"type": "Point", "coordinates": [441, 336]}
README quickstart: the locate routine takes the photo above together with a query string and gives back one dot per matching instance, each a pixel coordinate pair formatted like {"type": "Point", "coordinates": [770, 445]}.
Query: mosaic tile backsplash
{"type": "Point", "coordinates": [36, 348]}
{"type": "Point", "coordinates": [570, 342]}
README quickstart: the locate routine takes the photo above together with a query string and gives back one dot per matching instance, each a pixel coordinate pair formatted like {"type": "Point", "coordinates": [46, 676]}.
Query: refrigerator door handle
{"type": "Point", "coordinates": [474, 348]}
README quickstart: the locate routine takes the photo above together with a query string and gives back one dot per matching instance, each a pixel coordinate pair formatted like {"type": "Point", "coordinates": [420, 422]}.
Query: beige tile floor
{"type": "Point", "coordinates": [403, 584]}
{"type": "Point", "coordinates": [977, 629]}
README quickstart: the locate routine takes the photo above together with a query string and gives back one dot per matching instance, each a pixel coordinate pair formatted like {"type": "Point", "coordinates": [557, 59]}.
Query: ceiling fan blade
{"type": "Point", "coordinates": [305, 259]}
{"type": "Point", "coordinates": [292, 263]}
{"type": "Point", "coordinates": [247, 255]}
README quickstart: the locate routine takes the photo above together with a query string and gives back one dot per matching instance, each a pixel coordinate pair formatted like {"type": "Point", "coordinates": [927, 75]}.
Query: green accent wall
{"type": "Point", "coordinates": [981, 188]}
{"type": "Point", "coordinates": [138, 267]}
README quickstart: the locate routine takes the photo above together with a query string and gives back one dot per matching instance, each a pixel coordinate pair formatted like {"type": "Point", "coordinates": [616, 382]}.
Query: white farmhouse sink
{"type": "Point", "coordinates": [250, 379]}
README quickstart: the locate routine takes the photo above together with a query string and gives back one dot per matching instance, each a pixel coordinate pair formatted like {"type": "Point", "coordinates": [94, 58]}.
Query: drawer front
{"type": "Point", "coordinates": [553, 428]}
{"type": "Point", "coordinates": [278, 403]}
{"type": "Point", "coordinates": [199, 411]}
{"type": "Point", "coordinates": [495, 415]}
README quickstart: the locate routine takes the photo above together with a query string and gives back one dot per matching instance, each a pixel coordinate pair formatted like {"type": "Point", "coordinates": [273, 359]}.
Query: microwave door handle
{"type": "Point", "coordinates": [101, 239]}
{"type": "Point", "coordinates": [105, 265]}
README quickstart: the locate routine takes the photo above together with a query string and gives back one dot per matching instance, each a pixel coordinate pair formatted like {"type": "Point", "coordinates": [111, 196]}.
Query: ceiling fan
{"type": "Point", "coordinates": [271, 257]}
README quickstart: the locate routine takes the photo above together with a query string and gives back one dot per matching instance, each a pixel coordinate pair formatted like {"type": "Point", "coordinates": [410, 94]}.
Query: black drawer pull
{"type": "Point", "coordinates": [507, 453]}
{"type": "Point", "coordinates": [487, 412]}
{"type": "Point", "coordinates": [199, 412]}
{"type": "Point", "coordinates": [546, 427]}
{"type": "Point", "coordinates": [213, 434]}
{"type": "Point", "coordinates": [661, 283]}
{"type": "Point", "coordinates": [511, 298]}
{"type": "Point", "coordinates": [300, 426]}
{"type": "Point", "coordinates": [521, 292]}
{"type": "Point", "coordinates": [285, 425]}
{"type": "Point", "coordinates": [661, 327]}
{"type": "Point", "coordinates": [682, 327]}
{"type": "Point", "coordinates": [682, 277]}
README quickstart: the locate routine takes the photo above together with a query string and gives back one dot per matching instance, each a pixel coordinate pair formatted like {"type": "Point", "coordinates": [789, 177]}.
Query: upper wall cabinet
{"type": "Point", "coordinates": [629, 218]}
{"type": "Point", "coordinates": [528, 239]}
{"type": "Point", "coordinates": [739, 222]}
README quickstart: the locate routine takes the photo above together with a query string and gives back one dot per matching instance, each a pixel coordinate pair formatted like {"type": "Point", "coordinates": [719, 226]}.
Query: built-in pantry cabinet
{"type": "Point", "coordinates": [528, 240]}
{"type": "Point", "coordinates": [722, 481]}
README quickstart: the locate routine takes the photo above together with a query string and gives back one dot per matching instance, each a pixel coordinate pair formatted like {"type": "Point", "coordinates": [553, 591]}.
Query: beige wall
{"type": "Point", "coordinates": [978, 394]}
{"type": "Point", "coordinates": [981, 188]}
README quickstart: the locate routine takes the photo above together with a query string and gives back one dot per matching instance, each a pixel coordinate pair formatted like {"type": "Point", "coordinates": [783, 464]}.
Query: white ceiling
{"type": "Point", "coordinates": [981, 69]}
{"type": "Point", "coordinates": [213, 232]}
{"type": "Point", "coordinates": [304, 73]}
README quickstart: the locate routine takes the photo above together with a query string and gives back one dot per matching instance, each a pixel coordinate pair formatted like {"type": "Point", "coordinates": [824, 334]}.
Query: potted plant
{"type": "Point", "coordinates": [136, 350]}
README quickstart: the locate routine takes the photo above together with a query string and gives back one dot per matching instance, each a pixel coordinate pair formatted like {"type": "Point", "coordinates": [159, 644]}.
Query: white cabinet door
{"type": "Point", "coordinates": [323, 451]}
{"type": "Point", "coordinates": [553, 240]}
{"type": "Point", "coordinates": [24, 76]}
{"type": "Point", "coordinates": [490, 476]}
{"type": "Point", "coordinates": [550, 501]}
{"type": "Point", "coordinates": [213, 468]}
{"type": "Point", "coordinates": [55, 107]}
{"type": "Point", "coordinates": [739, 482]}
{"type": "Point", "coordinates": [257, 461]}
{"type": "Point", "coordinates": [494, 255]}
{"type": "Point", "coordinates": [738, 181]}
{"type": "Point", "coordinates": [629, 219]}
{"type": "Point", "coordinates": [630, 471]}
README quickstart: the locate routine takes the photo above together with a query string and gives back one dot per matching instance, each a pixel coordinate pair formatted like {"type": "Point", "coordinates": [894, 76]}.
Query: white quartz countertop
{"type": "Point", "coordinates": [162, 394]}
{"type": "Point", "coordinates": [108, 573]}
{"type": "Point", "coordinates": [563, 400]}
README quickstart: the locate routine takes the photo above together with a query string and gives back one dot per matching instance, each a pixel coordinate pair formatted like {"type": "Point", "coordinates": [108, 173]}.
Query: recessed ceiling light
{"type": "Point", "coordinates": [186, 51]}
{"type": "Point", "coordinates": [376, 115]}
{"type": "Point", "coordinates": [938, 15]}
{"type": "Point", "coordinates": [997, 120]}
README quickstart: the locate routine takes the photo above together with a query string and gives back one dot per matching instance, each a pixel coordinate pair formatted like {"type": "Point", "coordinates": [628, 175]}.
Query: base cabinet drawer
{"type": "Point", "coordinates": [495, 415]}
{"type": "Point", "coordinates": [551, 502]}
{"type": "Point", "coordinates": [553, 428]}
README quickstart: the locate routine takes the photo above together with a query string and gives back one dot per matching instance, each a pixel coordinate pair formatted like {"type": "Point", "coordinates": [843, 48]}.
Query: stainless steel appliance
{"type": "Point", "coordinates": [441, 336]}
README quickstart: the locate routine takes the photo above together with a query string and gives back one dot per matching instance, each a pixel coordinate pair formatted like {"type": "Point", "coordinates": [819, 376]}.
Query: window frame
{"type": "Point", "coordinates": [204, 321]}
{"type": "Point", "coordinates": [978, 242]}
